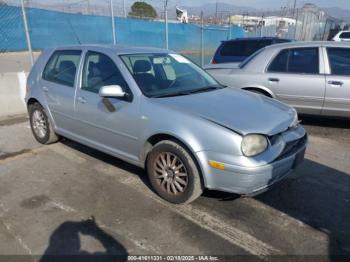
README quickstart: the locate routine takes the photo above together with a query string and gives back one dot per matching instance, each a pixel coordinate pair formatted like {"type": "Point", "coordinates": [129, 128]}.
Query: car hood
{"type": "Point", "coordinates": [235, 109]}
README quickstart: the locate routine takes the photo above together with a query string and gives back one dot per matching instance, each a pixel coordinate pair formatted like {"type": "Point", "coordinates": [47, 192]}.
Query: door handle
{"type": "Point", "coordinates": [335, 83]}
{"type": "Point", "coordinates": [81, 100]}
{"type": "Point", "coordinates": [45, 89]}
{"type": "Point", "coordinates": [276, 80]}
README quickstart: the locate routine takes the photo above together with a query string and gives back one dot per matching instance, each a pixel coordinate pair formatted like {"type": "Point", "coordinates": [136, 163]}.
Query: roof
{"type": "Point", "coordinates": [257, 38]}
{"type": "Point", "coordinates": [119, 49]}
{"type": "Point", "coordinates": [308, 44]}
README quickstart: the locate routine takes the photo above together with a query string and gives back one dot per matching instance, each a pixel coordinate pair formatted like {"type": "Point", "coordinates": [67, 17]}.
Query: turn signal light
{"type": "Point", "coordinates": [217, 165]}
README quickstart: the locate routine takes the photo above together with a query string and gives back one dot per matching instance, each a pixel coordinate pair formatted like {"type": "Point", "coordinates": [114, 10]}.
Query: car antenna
{"type": "Point", "coordinates": [72, 28]}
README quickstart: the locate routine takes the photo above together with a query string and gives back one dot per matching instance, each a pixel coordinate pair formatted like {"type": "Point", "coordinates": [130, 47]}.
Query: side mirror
{"type": "Point", "coordinates": [112, 91]}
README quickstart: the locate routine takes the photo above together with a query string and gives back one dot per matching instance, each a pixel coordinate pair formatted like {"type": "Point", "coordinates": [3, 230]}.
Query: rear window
{"type": "Point", "coordinates": [250, 58]}
{"type": "Point", "coordinates": [243, 48]}
{"type": "Point", "coordinates": [345, 35]}
{"type": "Point", "coordinates": [62, 67]}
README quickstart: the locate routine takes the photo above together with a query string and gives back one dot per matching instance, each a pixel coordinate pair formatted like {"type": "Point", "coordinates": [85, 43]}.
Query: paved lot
{"type": "Point", "coordinates": [49, 193]}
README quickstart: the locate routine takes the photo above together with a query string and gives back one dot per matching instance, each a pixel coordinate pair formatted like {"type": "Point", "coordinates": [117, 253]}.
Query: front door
{"type": "Point", "coordinates": [337, 100]}
{"type": "Point", "coordinates": [294, 77]}
{"type": "Point", "coordinates": [109, 124]}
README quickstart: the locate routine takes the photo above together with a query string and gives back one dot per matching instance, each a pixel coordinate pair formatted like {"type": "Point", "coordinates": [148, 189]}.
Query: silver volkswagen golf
{"type": "Point", "coordinates": [156, 109]}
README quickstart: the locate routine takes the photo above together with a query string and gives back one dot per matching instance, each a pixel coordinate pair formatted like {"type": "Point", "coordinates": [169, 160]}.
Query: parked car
{"type": "Point", "coordinates": [237, 50]}
{"type": "Point", "coordinates": [342, 36]}
{"type": "Point", "coordinates": [157, 110]}
{"type": "Point", "coordinates": [313, 77]}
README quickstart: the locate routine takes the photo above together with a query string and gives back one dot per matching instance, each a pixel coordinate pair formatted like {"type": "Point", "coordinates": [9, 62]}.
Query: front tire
{"type": "Point", "coordinates": [173, 173]}
{"type": "Point", "coordinates": [40, 125]}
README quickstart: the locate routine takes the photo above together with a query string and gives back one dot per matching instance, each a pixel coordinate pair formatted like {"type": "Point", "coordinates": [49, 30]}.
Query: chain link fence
{"type": "Point", "coordinates": [306, 24]}
{"type": "Point", "coordinates": [37, 24]}
{"type": "Point", "coordinates": [73, 22]}
{"type": "Point", "coordinates": [11, 28]}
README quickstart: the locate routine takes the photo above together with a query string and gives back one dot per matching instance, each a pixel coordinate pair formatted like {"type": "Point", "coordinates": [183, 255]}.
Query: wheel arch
{"type": "Point", "coordinates": [156, 138]}
{"type": "Point", "coordinates": [261, 89]}
{"type": "Point", "coordinates": [33, 100]}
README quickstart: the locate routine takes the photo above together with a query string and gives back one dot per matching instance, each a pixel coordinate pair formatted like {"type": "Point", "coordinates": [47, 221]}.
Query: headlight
{"type": "Point", "coordinates": [253, 145]}
{"type": "Point", "coordinates": [295, 121]}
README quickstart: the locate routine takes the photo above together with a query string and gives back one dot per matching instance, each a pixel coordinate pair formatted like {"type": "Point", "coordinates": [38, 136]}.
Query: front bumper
{"type": "Point", "coordinates": [251, 180]}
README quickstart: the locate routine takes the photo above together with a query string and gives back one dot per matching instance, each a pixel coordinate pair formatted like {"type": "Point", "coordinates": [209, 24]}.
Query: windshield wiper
{"type": "Point", "coordinates": [182, 93]}
{"type": "Point", "coordinates": [206, 89]}
{"type": "Point", "coordinates": [188, 92]}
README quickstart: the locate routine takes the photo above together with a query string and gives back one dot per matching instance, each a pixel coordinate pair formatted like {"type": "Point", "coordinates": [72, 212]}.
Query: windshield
{"type": "Point", "coordinates": [161, 75]}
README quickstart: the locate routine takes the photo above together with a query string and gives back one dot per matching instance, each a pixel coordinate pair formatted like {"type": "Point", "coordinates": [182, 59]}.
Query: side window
{"type": "Point", "coordinates": [298, 60]}
{"type": "Point", "coordinates": [279, 63]}
{"type": "Point", "coordinates": [100, 70]}
{"type": "Point", "coordinates": [339, 61]}
{"type": "Point", "coordinates": [62, 67]}
{"type": "Point", "coordinates": [303, 61]}
{"type": "Point", "coordinates": [232, 48]}
{"type": "Point", "coordinates": [345, 35]}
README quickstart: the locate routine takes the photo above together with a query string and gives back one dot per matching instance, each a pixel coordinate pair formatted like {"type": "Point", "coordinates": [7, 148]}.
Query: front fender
{"type": "Point", "coordinates": [196, 133]}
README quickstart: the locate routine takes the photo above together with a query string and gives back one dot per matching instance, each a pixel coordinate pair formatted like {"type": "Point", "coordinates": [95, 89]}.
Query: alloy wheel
{"type": "Point", "coordinates": [171, 173]}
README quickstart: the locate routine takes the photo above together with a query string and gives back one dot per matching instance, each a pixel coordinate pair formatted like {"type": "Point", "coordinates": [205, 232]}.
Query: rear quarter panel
{"type": "Point", "coordinates": [236, 78]}
{"type": "Point", "coordinates": [34, 88]}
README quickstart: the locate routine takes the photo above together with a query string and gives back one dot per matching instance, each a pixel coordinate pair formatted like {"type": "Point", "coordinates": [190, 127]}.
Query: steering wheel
{"type": "Point", "coordinates": [177, 79]}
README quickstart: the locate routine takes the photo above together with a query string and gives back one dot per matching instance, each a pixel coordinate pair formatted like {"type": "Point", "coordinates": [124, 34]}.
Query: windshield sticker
{"type": "Point", "coordinates": [180, 58]}
{"type": "Point", "coordinates": [161, 60]}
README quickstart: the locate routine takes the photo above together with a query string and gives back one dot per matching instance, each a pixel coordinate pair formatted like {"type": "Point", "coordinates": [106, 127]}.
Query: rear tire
{"type": "Point", "coordinates": [40, 125]}
{"type": "Point", "coordinates": [173, 173]}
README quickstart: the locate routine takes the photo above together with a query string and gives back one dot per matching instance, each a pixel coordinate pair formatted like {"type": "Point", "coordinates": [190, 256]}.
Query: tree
{"type": "Point", "coordinates": [143, 9]}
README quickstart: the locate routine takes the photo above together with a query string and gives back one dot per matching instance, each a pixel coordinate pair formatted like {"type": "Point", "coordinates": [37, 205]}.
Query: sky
{"type": "Point", "coordinates": [266, 4]}
{"type": "Point", "coordinates": [273, 4]}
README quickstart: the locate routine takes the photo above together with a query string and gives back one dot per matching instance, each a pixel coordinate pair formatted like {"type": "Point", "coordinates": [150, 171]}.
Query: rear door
{"type": "Point", "coordinates": [337, 100]}
{"type": "Point", "coordinates": [295, 78]}
{"type": "Point", "coordinates": [58, 84]}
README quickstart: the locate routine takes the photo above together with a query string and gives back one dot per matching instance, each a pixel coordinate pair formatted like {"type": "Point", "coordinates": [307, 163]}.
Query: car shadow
{"type": "Point", "coordinates": [135, 170]}
{"type": "Point", "coordinates": [325, 122]}
{"type": "Point", "coordinates": [317, 195]}
{"type": "Point", "coordinates": [65, 244]}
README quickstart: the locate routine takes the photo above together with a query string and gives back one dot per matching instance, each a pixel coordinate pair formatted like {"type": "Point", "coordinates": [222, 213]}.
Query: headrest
{"type": "Point", "coordinates": [142, 66]}
{"type": "Point", "coordinates": [65, 65]}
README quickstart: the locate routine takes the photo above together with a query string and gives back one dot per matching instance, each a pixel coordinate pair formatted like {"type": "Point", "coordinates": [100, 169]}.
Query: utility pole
{"type": "Point", "coordinates": [166, 24]}
{"type": "Point", "coordinates": [296, 24]}
{"type": "Point", "coordinates": [29, 44]}
{"type": "Point", "coordinates": [295, 5]}
{"type": "Point", "coordinates": [202, 39]}
{"type": "Point", "coordinates": [113, 22]}
{"type": "Point", "coordinates": [216, 12]}
{"type": "Point", "coordinates": [262, 23]}
{"type": "Point", "coordinates": [124, 9]}
{"type": "Point", "coordinates": [229, 26]}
